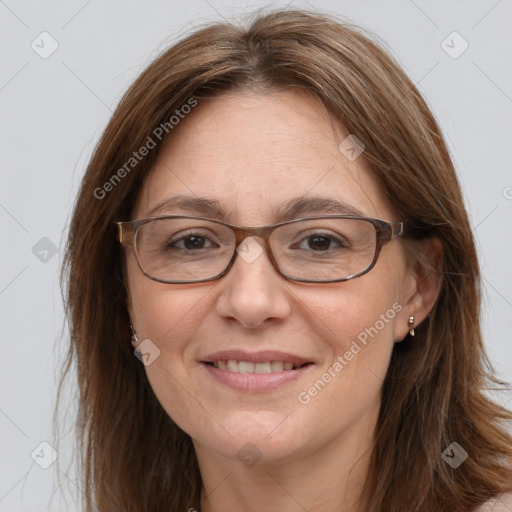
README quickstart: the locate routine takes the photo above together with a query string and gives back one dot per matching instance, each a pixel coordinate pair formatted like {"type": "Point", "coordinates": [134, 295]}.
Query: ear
{"type": "Point", "coordinates": [422, 286]}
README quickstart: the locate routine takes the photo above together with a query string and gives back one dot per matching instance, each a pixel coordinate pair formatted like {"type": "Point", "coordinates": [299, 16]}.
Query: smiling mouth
{"type": "Point", "coordinates": [233, 366]}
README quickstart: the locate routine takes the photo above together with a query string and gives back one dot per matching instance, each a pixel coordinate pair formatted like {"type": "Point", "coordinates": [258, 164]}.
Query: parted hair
{"type": "Point", "coordinates": [132, 456]}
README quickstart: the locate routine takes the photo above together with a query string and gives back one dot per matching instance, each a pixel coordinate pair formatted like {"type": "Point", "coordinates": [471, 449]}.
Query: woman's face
{"type": "Point", "coordinates": [251, 153]}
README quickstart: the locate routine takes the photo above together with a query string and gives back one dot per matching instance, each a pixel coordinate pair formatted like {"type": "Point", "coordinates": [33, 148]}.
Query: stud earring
{"type": "Point", "coordinates": [135, 338]}
{"type": "Point", "coordinates": [410, 323]}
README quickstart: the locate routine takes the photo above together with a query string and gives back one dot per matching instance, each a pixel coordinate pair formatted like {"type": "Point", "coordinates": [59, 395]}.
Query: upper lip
{"type": "Point", "coordinates": [254, 357]}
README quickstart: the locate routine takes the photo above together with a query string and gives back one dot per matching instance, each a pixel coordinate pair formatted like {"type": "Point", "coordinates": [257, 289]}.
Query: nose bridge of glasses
{"type": "Point", "coordinates": [242, 233]}
{"type": "Point", "coordinates": [259, 235]}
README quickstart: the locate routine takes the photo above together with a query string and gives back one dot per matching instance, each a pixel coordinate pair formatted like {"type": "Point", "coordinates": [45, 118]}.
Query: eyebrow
{"type": "Point", "coordinates": [291, 209]}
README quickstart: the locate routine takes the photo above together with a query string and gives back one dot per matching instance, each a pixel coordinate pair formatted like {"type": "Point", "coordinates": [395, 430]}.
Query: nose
{"type": "Point", "coordinates": [253, 292]}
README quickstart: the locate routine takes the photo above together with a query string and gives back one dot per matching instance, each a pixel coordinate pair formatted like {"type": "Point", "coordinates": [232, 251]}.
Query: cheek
{"type": "Point", "coordinates": [362, 310]}
{"type": "Point", "coordinates": [162, 312]}
{"type": "Point", "coordinates": [357, 324]}
{"type": "Point", "coordinates": [169, 318]}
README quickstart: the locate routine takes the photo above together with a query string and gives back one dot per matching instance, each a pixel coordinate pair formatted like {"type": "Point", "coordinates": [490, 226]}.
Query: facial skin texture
{"type": "Point", "coordinates": [252, 151]}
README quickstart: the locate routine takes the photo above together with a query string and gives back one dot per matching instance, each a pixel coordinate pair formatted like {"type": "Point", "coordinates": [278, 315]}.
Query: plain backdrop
{"type": "Point", "coordinates": [54, 108]}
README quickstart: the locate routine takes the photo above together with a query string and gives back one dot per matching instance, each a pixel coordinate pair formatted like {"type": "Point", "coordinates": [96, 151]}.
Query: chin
{"type": "Point", "coordinates": [254, 437]}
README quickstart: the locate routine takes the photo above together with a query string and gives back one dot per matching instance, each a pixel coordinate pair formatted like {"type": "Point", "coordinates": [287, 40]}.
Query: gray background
{"type": "Point", "coordinates": [53, 110]}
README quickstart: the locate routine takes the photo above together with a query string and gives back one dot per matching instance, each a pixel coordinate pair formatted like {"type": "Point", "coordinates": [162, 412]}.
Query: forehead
{"type": "Point", "coordinates": [253, 154]}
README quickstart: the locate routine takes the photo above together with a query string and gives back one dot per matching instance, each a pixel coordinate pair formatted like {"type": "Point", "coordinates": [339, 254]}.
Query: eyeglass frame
{"type": "Point", "coordinates": [384, 232]}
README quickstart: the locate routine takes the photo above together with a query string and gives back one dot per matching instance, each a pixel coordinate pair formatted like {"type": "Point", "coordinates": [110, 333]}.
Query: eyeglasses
{"type": "Point", "coordinates": [324, 249]}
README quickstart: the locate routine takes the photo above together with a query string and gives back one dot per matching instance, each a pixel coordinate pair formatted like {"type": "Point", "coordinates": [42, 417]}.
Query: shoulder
{"type": "Point", "coordinates": [502, 503]}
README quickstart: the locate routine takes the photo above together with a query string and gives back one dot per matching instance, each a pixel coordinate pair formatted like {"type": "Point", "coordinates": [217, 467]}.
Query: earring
{"type": "Point", "coordinates": [135, 338]}
{"type": "Point", "coordinates": [410, 324]}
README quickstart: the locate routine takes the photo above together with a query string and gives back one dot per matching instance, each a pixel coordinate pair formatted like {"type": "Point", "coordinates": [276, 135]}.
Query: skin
{"type": "Point", "coordinates": [252, 151]}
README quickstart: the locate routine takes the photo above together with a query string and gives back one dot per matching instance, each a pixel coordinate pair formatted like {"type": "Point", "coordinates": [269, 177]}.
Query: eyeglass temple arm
{"type": "Point", "coordinates": [396, 229]}
{"type": "Point", "coordinates": [125, 232]}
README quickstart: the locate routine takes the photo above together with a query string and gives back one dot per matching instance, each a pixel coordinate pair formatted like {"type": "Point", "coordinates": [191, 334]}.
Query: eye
{"type": "Point", "coordinates": [190, 241]}
{"type": "Point", "coordinates": [322, 242]}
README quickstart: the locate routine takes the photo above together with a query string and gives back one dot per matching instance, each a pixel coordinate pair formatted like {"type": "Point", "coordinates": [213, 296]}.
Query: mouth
{"type": "Point", "coordinates": [255, 372]}
{"type": "Point", "coordinates": [275, 366]}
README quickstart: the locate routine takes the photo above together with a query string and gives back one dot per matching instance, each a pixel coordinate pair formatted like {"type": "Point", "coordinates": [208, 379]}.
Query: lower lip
{"type": "Point", "coordinates": [255, 382]}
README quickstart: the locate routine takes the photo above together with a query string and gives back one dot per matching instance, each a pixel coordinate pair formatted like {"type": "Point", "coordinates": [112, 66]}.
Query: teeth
{"type": "Point", "coordinates": [276, 366]}
{"type": "Point", "coordinates": [244, 367]}
{"type": "Point", "coordinates": [262, 368]}
{"type": "Point", "coordinates": [247, 367]}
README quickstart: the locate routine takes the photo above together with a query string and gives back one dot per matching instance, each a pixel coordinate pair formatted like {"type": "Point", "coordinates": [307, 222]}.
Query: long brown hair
{"type": "Point", "coordinates": [133, 456]}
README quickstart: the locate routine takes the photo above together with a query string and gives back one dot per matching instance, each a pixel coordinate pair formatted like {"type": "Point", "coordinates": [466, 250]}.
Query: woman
{"type": "Point", "coordinates": [273, 219]}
